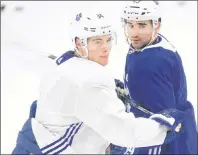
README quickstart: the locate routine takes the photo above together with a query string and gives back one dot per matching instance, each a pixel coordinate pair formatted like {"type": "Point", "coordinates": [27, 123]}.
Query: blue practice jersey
{"type": "Point", "coordinates": [156, 80]}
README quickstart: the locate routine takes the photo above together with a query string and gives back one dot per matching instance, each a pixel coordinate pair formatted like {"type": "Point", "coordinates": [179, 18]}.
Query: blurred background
{"type": "Point", "coordinates": [32, 31]}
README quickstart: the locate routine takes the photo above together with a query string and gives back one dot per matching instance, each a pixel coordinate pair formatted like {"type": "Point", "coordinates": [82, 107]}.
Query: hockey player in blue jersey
{"type": "Point", "coordinates": [154, 77]}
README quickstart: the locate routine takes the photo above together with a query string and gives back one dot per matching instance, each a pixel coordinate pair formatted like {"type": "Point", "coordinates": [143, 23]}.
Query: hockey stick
{"type": "Point", "coordinates": [22, 47]}
{"type": "Point", "coordinates": [132, 103]}
{"type": "Point", "coordinates": [137, 106]}
{"type": "Point", "coordinates": [123, 93]}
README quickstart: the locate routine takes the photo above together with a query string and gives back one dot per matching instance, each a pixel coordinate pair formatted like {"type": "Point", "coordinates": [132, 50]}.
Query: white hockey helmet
{"type": "Point", "coordinates": [86, 26]}
{"type": "Point", "coordinates": [141, 11]}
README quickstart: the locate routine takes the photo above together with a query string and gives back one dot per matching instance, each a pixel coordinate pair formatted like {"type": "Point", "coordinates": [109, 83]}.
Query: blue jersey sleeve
{"type": "Point", "coordinates": [66, 56]}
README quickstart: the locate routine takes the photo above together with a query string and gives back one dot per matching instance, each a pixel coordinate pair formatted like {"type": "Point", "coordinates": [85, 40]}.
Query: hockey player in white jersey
{"type": "Point", "coordinates": [78, 111]}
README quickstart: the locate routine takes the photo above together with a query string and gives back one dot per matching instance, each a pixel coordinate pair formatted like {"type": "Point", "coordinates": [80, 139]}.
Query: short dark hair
{"type": "Point", "coordinates": [76, 39]}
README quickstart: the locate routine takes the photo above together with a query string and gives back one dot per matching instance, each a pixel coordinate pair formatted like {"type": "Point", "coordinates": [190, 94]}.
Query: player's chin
{"type": "Point", "coordinates": [137, 46]}
{"type": "Point", "coordinates": [104, 62]}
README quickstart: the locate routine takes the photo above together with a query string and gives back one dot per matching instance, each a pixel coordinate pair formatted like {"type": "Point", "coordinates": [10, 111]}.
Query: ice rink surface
{"type": "Point", "coordinates": [30, 31]}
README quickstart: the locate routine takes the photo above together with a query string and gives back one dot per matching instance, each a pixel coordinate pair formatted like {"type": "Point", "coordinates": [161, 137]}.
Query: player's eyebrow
{"type": "Point", "coordinates": [138, 23]}
{"type": "Point", "coordinates": [96, 39]}
{"type": "Point", "coordinates": [142, 23]}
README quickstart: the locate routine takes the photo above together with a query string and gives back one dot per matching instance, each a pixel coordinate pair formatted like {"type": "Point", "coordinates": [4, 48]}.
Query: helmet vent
{"type": "Point", "coordinates": [134, 7]}
{"type": "Point", "coordinates": [93, 29]}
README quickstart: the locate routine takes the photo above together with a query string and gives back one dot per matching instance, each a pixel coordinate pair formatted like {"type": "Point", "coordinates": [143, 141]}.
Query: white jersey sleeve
{"type": "Point", "coordinates": [99, 108]}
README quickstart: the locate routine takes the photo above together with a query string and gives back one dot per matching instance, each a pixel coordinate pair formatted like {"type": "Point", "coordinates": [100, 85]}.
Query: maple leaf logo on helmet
{"type": "Point", "coordinates": [78, 16]}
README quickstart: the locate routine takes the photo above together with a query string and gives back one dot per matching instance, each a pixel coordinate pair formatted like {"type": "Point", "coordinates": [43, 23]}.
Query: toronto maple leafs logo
{"type": "Point", "coordinates": [136, 1]}
{"type": "Point", "coordinates": [78, 16]}
{"type": "Point", "coordinates": [156, 2]}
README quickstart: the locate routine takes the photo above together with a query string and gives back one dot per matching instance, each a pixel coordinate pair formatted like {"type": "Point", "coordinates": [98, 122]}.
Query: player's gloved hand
{"type": "Point", "coordinates": [163, 119]}
{"type": "Point", "coordinates": [119, 84]}
{"type": "Point", "coordinates": [120, 90]}
{"type": "Point", "coordinates": [171, 118]}
{"type": "Point", "coordinates": [122, 94]}
{"type": "Point", "coordinates": [115, 149]}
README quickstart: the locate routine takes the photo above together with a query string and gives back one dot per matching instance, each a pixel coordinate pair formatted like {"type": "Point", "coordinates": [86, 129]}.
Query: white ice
{"type": "Point", "coordinates": [28, 36]}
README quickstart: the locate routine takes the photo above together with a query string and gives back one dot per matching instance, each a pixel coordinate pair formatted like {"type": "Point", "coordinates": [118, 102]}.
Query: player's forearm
{"type": "Point", "coordinates": [123, 128]}
{"type": "Point", "coordinates": [99, 108]}
{"type": "Point", "coordinates": [126, 130]}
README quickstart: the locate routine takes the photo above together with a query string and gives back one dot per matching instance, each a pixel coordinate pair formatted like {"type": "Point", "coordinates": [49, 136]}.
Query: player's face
{"type": "Point", "coordinates": [139, 33]}
{"type": "Point", "coordinates": [99, 49]}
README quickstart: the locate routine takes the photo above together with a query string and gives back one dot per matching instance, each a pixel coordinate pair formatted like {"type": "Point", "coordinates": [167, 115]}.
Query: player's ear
{"type": "Point", "coordinates": [78, 43]}
{"type": "Point", "coordinates": [158, 26]}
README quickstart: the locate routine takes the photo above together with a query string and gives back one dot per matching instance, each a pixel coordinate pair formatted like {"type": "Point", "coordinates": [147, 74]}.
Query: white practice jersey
{"type": "Point", "coordinates": [78, 107]}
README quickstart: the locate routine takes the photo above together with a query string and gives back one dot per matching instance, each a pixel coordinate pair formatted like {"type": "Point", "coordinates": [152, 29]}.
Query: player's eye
{"type": "Point", "coordinates": [142, 26]}
{"type": "Point", "coordinates": [97, 42]}
{"type": "Point", "coordinates": [130, 25]}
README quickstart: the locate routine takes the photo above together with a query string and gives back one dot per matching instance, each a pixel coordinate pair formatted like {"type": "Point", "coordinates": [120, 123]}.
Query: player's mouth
{"type": "Point", "coordinates": [135, 40]}
{"type": "Point", "coordinates": [105, 57]}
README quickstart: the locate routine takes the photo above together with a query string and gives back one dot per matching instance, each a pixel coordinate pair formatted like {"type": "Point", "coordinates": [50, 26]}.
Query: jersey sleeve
{"type": "Point", "coordinates": [99, 108]}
